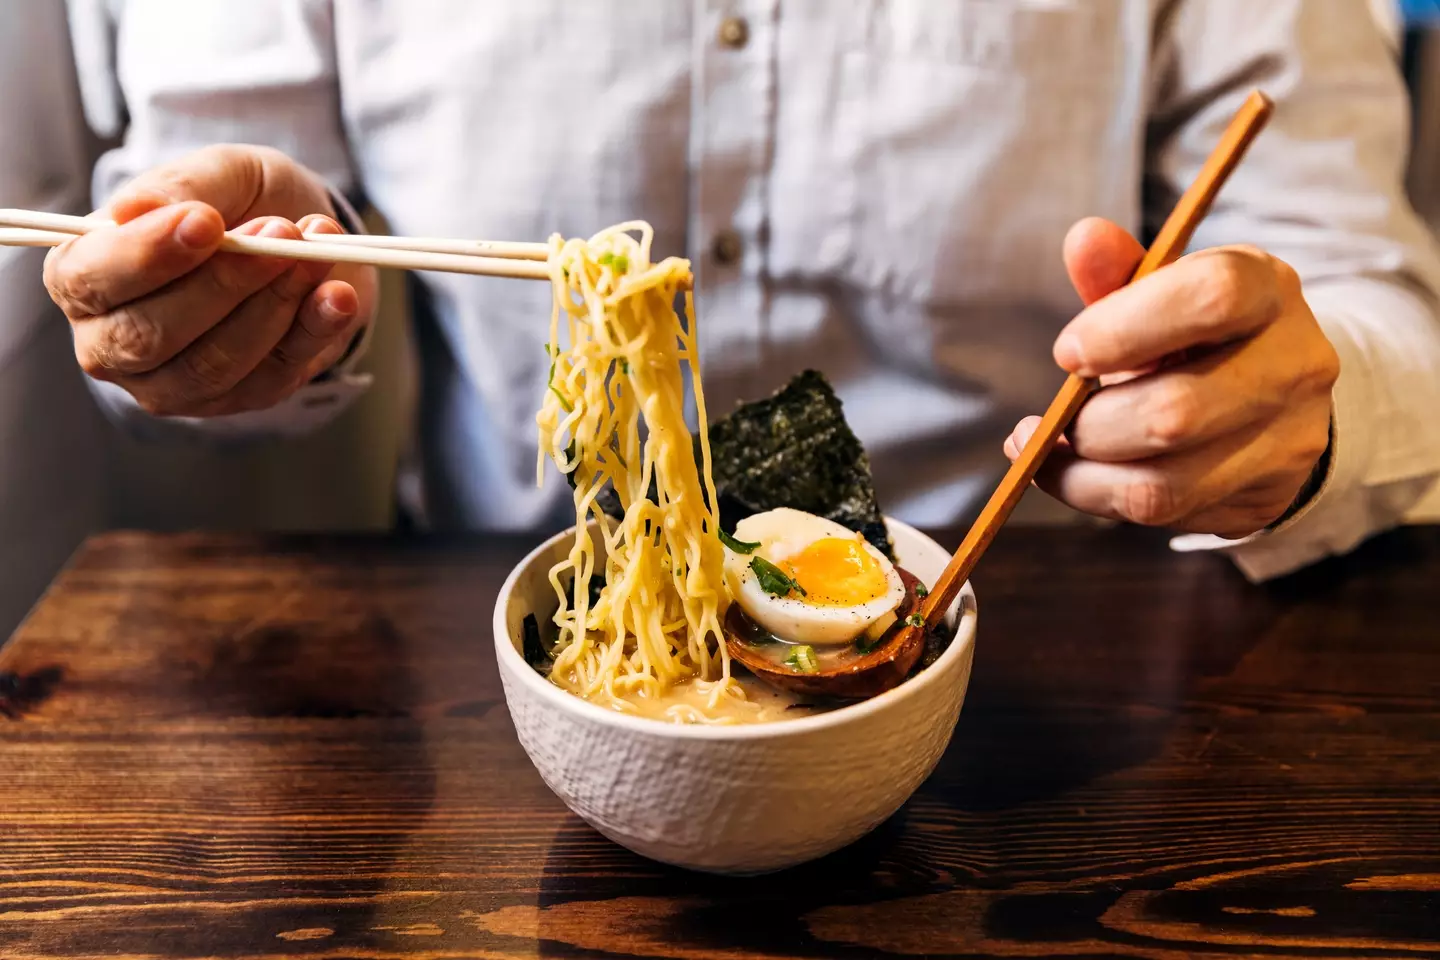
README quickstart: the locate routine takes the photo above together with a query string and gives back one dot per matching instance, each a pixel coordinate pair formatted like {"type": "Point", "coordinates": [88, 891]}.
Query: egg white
{"type": "Point", "coordinates": [782, 533]}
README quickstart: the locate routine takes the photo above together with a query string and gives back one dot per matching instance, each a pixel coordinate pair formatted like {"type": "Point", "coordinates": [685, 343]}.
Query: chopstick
{"type": "Point", "coordinates": [524, 261]}
{"type": "Point", "coordinates": [1169, 246]}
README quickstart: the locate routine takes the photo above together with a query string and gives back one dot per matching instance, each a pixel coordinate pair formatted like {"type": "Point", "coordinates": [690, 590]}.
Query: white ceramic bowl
{"type": "Point", "coordinates": [740, 799]}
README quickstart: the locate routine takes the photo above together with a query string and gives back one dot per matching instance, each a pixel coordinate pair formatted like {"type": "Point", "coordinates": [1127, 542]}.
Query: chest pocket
{"type": "Point", "coordinates": [974, 134]}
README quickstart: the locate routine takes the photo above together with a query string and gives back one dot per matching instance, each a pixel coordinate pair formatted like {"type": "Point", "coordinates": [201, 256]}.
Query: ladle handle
{"type": "Point", "coordinates": [1171, 242]}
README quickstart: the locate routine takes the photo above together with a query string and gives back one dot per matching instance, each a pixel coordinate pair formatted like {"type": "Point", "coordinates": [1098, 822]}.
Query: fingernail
{"type": "Point", "coordinates": [279, 229]}
{"type": "Point", "coordinates": [1067, 351]}
{"type": "Point", "coordinates": [1022, 436]}
{"type": "Point", "coordinates": [197, 230]}
{"type": "Point", "coordinates": [336, 314]}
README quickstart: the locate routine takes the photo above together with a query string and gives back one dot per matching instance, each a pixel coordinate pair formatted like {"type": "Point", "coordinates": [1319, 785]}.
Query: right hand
{"type": "Point", "coordinates": [191, 332]}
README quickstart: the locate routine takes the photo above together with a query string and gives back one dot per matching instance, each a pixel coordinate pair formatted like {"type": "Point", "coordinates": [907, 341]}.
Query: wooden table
{"type": "Point", "coordinates": [236, 747]}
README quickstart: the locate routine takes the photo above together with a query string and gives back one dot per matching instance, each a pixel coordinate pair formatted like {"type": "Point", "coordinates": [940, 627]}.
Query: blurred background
{"type": "Point", "coordinates": [57, 449]}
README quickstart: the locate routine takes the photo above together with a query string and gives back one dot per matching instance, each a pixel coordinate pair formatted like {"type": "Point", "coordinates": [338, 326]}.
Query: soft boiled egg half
{"type": "Point", "coordinates": [846, 587]}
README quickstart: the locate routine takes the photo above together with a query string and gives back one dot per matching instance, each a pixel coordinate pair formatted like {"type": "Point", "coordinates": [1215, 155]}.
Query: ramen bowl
{"type": "Point", "coordinates": [742, 799]}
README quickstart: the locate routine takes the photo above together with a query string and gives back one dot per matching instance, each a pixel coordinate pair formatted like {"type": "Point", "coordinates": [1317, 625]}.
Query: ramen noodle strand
{"type": "Point", "coordinates": [614, 415]}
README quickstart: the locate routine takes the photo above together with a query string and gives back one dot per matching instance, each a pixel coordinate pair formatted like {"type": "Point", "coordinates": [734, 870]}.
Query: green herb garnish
{"type": "Point", "coordinates": [620, 263]}
{"type": "Point", "coordinates": [803, 660]}
{"type": "Point", "coordinates": [564, 404]}
{"type": "Point", "coordinates": [739, 546]}
{"type": "Point", "coordinates": [605, 259]}
{"type": "Point", "coordinates": [625, 366]}
{"type": "Point", "coordinates": [921, 590]}
{"type": "Point", "coordinates": [773, 580]}
{"type": "Point", "coordinates": [915, 620]}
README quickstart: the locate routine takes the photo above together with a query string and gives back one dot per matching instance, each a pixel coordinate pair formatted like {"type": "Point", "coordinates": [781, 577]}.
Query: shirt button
{"type": "Point", "coordinates": [734, 32]}
{"type": "Point", "coordinates": [726, 247]}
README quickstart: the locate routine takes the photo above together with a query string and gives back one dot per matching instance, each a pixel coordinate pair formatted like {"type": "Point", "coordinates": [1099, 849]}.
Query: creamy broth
{"type": "Point", "coordinates": [684, 702]}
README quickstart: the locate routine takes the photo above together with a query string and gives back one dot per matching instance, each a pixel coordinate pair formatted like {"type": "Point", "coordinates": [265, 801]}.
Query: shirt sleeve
{"type": "Point", "coordinates": [262, 72]}
{"type": "Point", "coordinates": [1322, 189]}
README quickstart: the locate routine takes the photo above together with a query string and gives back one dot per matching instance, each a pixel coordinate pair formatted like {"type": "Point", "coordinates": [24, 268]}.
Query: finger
{"type": "Point", "coordinates": [1100, 258]}
{"type": "Point", "coordinates": [1015, 443]}
{"type": "Point", "coordinates": [1162, 491]}
{"type": "Point", "coordinates": [318, 223]}
{"type": "Point", "coordinates": [1181, 407]}
{"type": "Point", "coordinates": [242, 182]}
{"type": "Point", "coordinates": [224, 356]}
{"type": "Point", "coordinates": [323, 328]}
{"type": "Point", "coordinates": [98, 271]}
{"type": "Point", "coordinates": [140, 336]}
{"type": "Point", "coordinates": [1205, 299]}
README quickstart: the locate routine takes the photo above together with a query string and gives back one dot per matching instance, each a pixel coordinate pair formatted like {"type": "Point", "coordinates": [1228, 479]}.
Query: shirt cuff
{"type": "Point", "coordinates": [1331, 522]}
{"type": "Point", "coordinates": [305, 411]}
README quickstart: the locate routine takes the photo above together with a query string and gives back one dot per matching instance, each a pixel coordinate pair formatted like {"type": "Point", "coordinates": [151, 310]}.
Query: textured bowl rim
{"type": "Point", "coordinates": [569, 703]}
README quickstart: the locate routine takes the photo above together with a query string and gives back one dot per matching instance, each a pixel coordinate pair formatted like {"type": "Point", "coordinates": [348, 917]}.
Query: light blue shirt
{"type": "Point", "coordinates": [894, 177]}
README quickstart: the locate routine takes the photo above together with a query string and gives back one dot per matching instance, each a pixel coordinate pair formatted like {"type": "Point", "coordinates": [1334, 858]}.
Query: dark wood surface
{"type": "Point", "coordinates": [234, 747]}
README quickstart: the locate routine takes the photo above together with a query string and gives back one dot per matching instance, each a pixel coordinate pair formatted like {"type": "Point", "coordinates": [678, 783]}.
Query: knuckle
{"type": "Point", "coordinates": [1288, 276]}
{"type": "Point", "coordinates": [1174, 415]}
{"type": "Point", "coordinates": [73, 288]}
{"type": "Point", "coordinates": [1150, 501]}
{"type": "Point", "coordinates": [1224, 285]}
{"type": "Point", "coordinates": [207, 371]}
{"type": "Point", "coordinates": [1327, 365]}
{"type": "Point", "coordinates": [1239, 285]}
{"type": "Point", "coordinates": [93, 363]}
{"type": "Point", "coordinates": [129, 339]}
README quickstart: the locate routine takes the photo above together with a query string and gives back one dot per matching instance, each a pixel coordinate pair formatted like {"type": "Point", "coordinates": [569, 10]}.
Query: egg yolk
{"type": "Point", "coordinates": [836, 572]}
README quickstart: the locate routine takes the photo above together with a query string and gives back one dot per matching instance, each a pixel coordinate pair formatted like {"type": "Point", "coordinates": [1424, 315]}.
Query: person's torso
{"type": "Point", "coordinates": [875, 188]}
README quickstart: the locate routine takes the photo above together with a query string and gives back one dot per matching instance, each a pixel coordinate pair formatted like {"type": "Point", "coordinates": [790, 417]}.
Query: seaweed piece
{"type": "Point", "coordinates": [794, 449]}
{"type": "Point", "coordinates": [530, 645]}
{"type": "Point", "coordinates": [791, 449]}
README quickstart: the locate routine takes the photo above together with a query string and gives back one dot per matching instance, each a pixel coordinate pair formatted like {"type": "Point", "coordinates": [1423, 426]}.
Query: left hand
{"type": "Point", "coordinates": [1217, 381]}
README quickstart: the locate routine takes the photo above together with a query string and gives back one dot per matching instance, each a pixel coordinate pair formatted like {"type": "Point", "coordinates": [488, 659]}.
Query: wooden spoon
{"type": "Point", "coordinates": [892, 661]}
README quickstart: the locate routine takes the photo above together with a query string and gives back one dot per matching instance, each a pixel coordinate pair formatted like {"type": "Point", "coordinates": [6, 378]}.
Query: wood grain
{"type": "Point", "coordinates": [263, 748]}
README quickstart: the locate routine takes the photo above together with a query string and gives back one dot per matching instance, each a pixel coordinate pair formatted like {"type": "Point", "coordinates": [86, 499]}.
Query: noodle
{"type": "Point", "coordinates": [656, 622]}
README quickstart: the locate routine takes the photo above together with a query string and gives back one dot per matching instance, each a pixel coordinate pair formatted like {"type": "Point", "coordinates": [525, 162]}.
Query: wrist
{"type": "Point", "coordinates": [1313, 483]}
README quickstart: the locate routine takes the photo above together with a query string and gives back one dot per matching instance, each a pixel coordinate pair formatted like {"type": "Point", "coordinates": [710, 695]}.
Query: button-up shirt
{"type": "Point", "coordinates": [874, 188]}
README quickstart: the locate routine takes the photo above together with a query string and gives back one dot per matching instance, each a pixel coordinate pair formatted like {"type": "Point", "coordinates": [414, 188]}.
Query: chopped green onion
{"type": "Point", "coordinates": [625, 367]}
{"type": "Point", "coordinates": [915, 620]}
{"type": "Point", "coordinates": [921, 590]}
{"type": "Point", "coordinates": [564, 404]}
{"type": "Point", "coordinates": [605, 259]}
{"type": "Point", "coordinates": [773, 580]}
{"type": "Point", "coordinates": [739, 546]}
{"type": "Point", "coordinates": [621, 263]}
{"type": "Point", "coordinates": [866, 645]}
{"type": "Point", "coordinates": [803, 660]}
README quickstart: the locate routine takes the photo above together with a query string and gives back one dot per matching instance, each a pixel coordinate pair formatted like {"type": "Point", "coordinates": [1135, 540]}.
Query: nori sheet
{"type": "Point", "coordinates": [792, 449]}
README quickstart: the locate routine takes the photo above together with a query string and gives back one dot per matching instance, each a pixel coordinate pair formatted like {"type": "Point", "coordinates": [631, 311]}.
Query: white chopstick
{"type": "Point", "coordinates": [30, 228]}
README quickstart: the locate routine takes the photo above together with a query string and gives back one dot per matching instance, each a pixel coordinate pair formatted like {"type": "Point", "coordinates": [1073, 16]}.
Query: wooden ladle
{"type": "Point", "coordinates": [897, 652]}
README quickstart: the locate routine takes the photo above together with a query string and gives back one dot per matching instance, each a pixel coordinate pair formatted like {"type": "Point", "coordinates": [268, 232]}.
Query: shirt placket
{"type": "Point", "coordinates": [731, 150]}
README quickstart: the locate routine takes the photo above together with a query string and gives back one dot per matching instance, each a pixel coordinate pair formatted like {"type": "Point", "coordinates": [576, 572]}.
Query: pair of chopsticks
{"type": "Point", "coordinates": [1169, 245]}
{"type": "Point", "coordinates": [523, 261]}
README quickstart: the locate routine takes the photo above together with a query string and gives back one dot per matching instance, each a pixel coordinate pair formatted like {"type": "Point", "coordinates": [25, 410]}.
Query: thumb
{"type": "Point", "coordinates": [240, 182]}
{"type": "Point", "coordinates": [1100, 258]}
